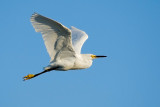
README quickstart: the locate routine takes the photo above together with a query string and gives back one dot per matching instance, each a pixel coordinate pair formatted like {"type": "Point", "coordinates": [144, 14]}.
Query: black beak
{"type": "Point", "coordinates": [99, 56]}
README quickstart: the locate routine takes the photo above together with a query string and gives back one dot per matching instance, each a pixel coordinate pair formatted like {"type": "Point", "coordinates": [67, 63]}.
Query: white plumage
{"type": "Point", "coordinates": [78, 38]}
{"type": "Point", "coordinates": [63, 45]}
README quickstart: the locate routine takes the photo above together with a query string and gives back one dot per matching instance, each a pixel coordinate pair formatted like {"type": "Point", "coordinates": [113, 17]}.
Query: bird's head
{"type": "Point", "coordinates": [97, 56]}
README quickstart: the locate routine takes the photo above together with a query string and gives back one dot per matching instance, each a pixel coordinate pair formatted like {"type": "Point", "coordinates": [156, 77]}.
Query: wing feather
{"type": "Point", "coordinates": [78, 39]}
{"type": "Point", "coordinates": [56, 36]}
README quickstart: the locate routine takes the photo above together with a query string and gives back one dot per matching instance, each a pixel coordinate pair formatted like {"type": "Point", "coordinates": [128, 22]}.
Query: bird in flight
{"type": "Point", "coordinates": [63, 45]}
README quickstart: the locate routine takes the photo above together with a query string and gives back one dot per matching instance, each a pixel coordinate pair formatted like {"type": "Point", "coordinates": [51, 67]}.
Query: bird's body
{"type": "Point", "coordinates": [79, 61]}
{"type": "Point", "coordinates": [63, 45]}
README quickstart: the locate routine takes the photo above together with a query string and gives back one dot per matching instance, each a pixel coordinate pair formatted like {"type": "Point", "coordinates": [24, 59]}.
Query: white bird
{"type": "Point", "coordinates": [63, 45]}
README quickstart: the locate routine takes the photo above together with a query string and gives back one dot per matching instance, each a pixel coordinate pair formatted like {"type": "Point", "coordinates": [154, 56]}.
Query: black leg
{"type": "Point", "coordinates": [29, 76]}
{"type": "Point", "coordinates": [41, 73]}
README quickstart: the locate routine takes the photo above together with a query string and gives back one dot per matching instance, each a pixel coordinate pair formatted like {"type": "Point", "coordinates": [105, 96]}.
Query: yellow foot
{"type": "Point", "coordinates": [29, 76]}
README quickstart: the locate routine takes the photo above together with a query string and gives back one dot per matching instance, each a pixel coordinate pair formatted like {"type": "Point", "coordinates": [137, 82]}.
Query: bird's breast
{"type": "Point", "coordinates": [71, 64]}
{"type": "Point", "coordinates": [82, 64]}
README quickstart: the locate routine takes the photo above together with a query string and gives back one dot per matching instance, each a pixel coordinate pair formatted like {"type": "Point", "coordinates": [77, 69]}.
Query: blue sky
{"type": "Point", "coordinates": [127, 31]}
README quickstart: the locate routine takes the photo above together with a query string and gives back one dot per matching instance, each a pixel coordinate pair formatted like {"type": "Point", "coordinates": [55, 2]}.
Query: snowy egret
{"type": "Point", "coordinates": [63, 45]}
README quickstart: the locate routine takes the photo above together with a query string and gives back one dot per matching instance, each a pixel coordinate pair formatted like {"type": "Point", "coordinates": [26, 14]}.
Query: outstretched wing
{"type": "Point", "coordinates": [78, 39]}
{"type": "Point", "coordinates": [56, 36]}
